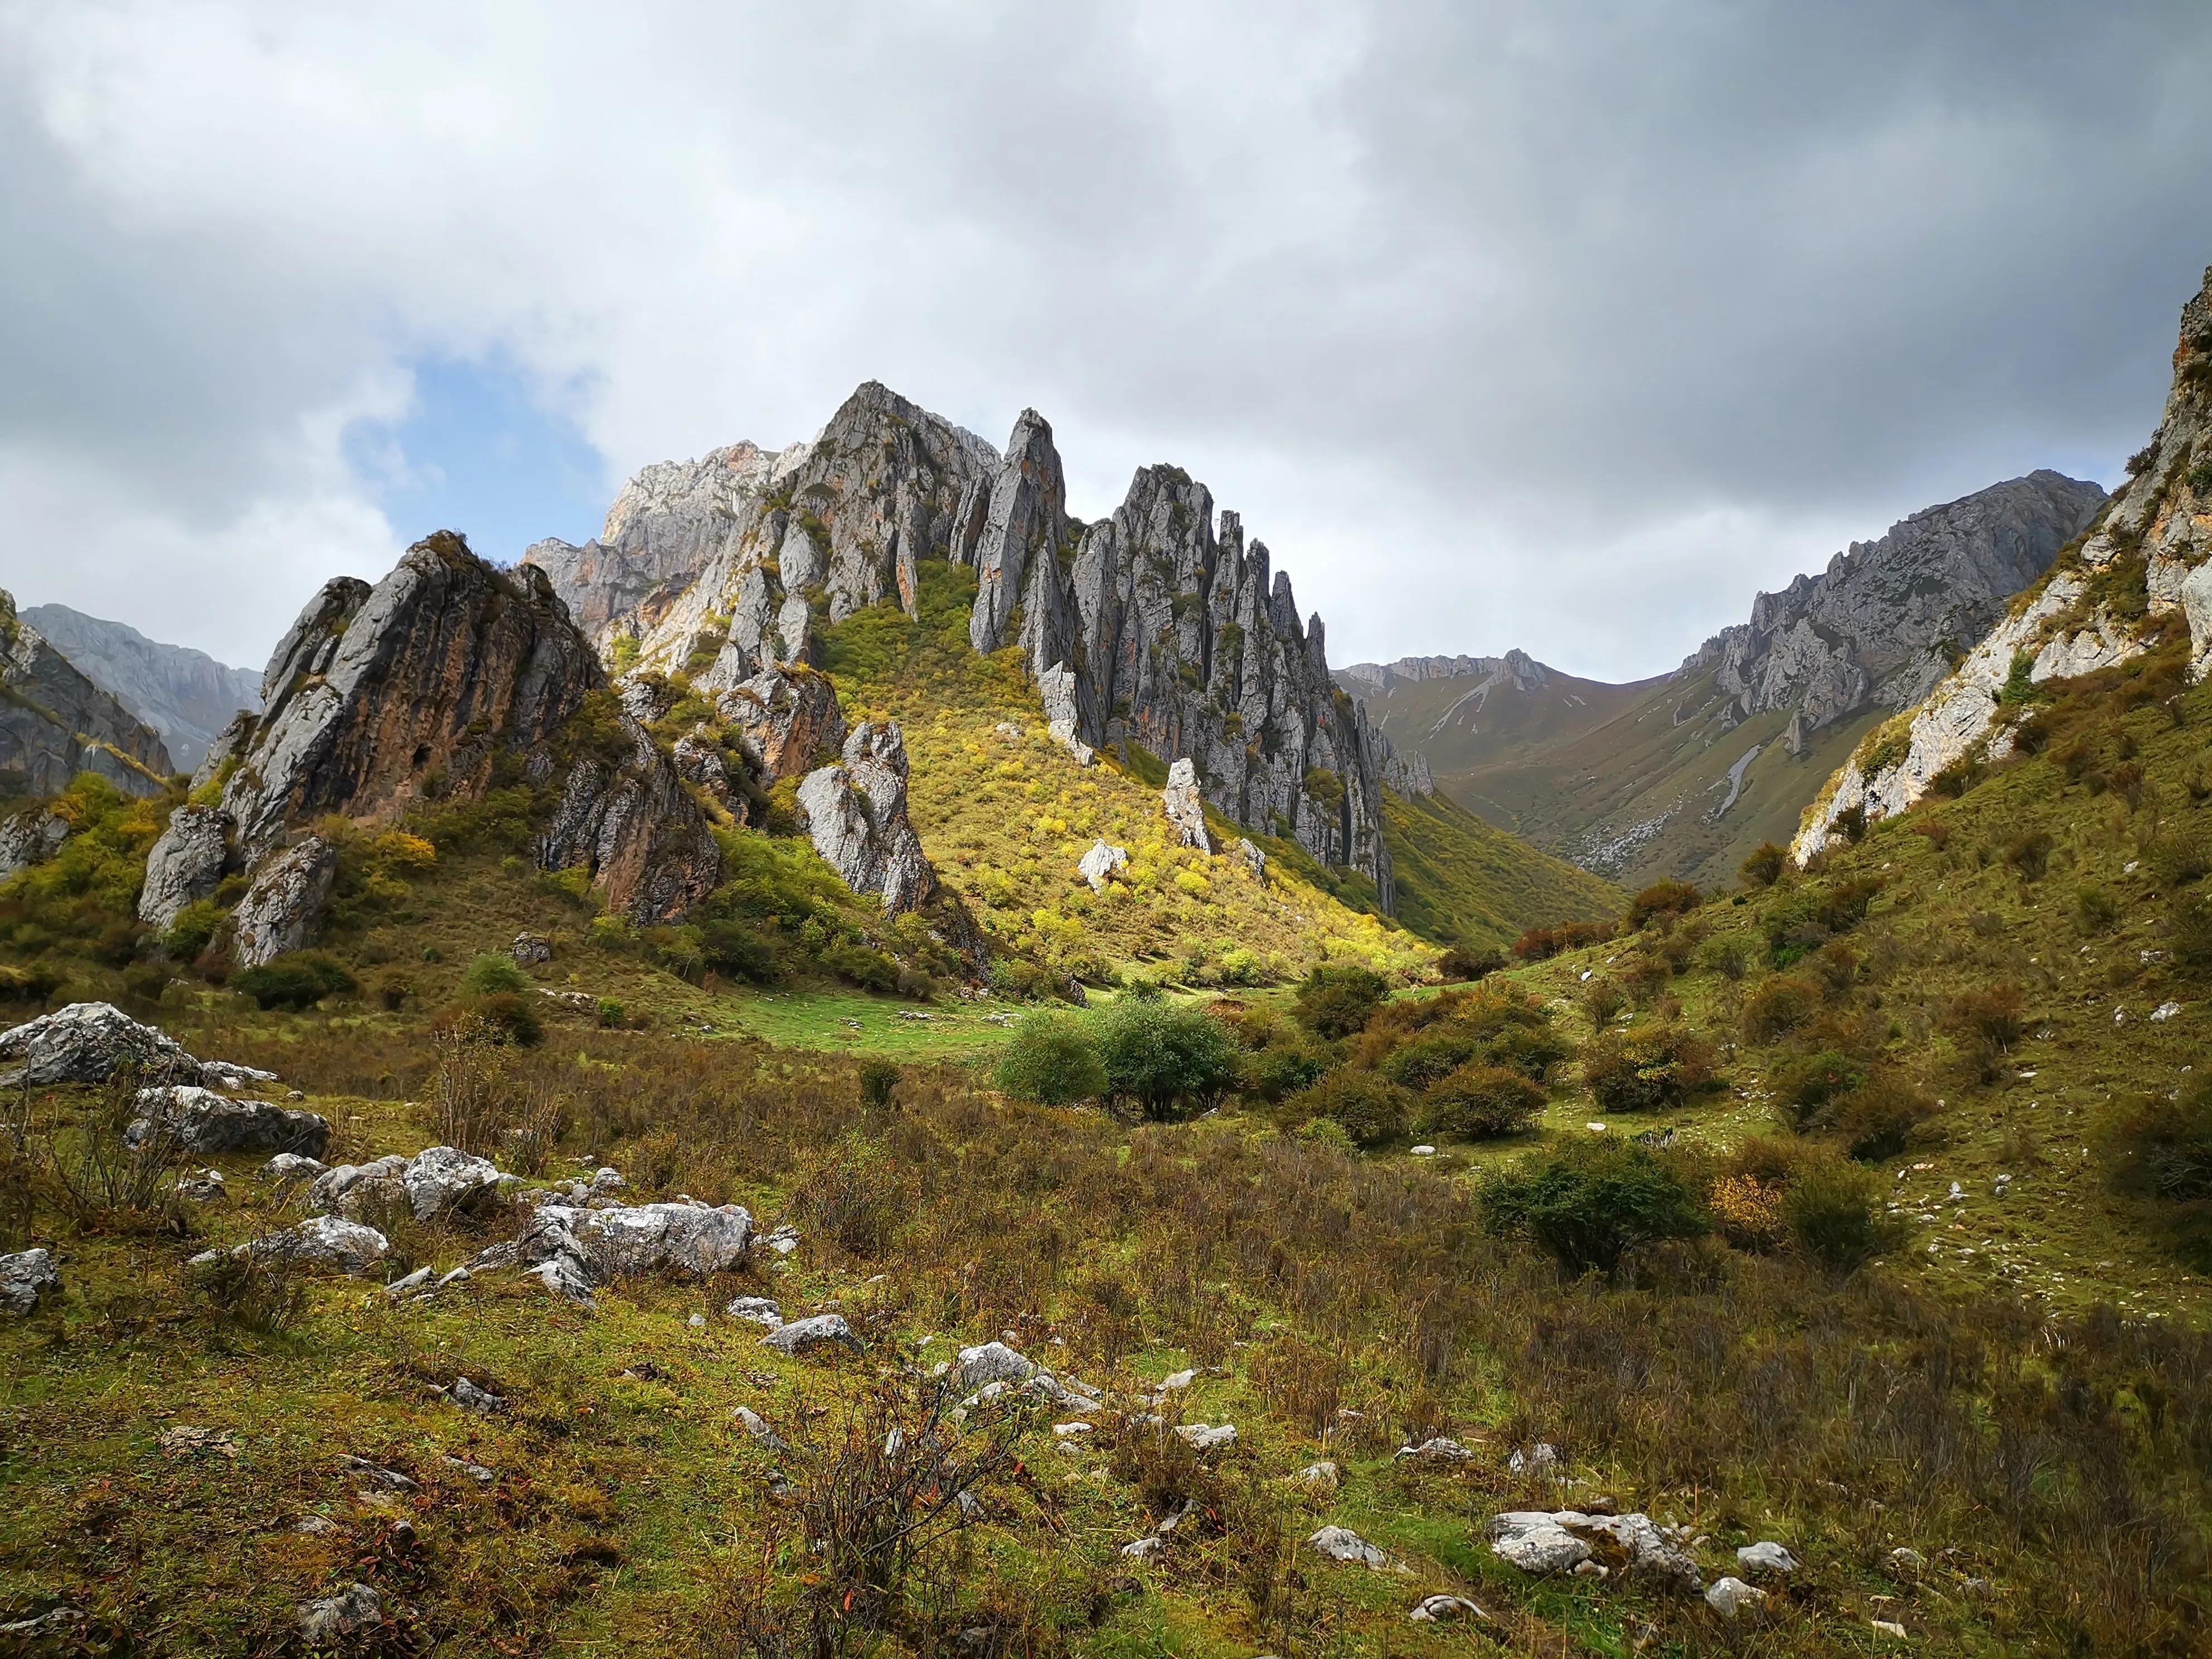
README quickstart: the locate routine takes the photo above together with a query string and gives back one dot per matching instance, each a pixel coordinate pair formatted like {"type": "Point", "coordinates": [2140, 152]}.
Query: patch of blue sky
{"type": "Point", "coordinates": [481, 449]}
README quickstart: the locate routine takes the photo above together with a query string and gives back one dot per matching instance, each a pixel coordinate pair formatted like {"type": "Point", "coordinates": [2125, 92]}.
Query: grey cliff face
{"type": "Point", "coordinates": [855, 813]}
{"type": "Point", "coordinates": [445, 677]}
{"type": "Point", "coordinates": [185, 695]}
{"type": "Point", "coordinates": [1888, 619]}
{"type": "Point", "coordinates": [56, 722]}
{"type": "Point", "coordinates": [1515, 668]}
{"type": "Point", "coordinates": [1152, 627]}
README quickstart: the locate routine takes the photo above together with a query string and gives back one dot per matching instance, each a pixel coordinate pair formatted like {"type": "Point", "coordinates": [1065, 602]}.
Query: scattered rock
{"type": "Point", "coordinates": [1533, 1541]}
{"type": "Point", "coordinates": [351, 1611]}
{"type": "Point", "coordinates": [1425, 1151]}
{"type": "Point", "coordinates": [1767, 1557]}
{"type": "Point", "coordinates": [315, 1526]}
{"type": "Point", "coordinates": [1437, 1450]}
{"type": "Point", "coordinates": [203, 1121]}
{"type": "Point", "coordinates": [1206, 1436]}
{"type": "Point", "coordinates": [24, 1277]}
{"type": "Point", "coordinates": [1342, 1544]}
{"type": "Point", "coordinates": [1145, 1548]}
{"type": "Point", "coordinates": [1321, 1477]}
{"type": "Point", "coordinates": [187, 1440]}
{"type": "Point", "coordinates": [783, 1241]}
{"type": "Point", "coordinates": [1890, 1627]}
{"type": "Point", "coordinates": [993, 1362]}
{"type": "Point", "coordinates": [1102, 862]}
{"type": "Point", "coordinates": [625, 1241]}
{"type": "Point", "coordinates": [2166, 1011]}
{"type": "Point", "coordinates": [328, 1240]}
{"type": "Point", "coordinates": [1175, 1380]}
{"type": "Point", "coordinates": [802, 1334]}
{"type": "Point", "coordinates": [201, 1187]}
{"type": "Point", "coordinates": [531, 950]}
{"type": "Point", "coordinates": [1727, 1595]}
{"type": "Point", "coordinates": [383, 1479]}
{"type": "Point", "coordinates": [1445, 1609]}
{"type": "Point", "coordinates": [757, 1426]}
{"type": "Point", "coordinates": [1542, 1455]}
{"type": "Point", "coordinates": [757, 1309]}
{"type": "Point", "coordinates": [1070, 1431]}
{"type": "Point", "coordinates": [476, 1472]}
{"type": "Point", "coordinates": [292, 1166]}
{"type": "Point", "coordinates": [1256, 865]}
{"type": "Point", "coordinates": [1185, 804]}
{"type": "Point", "coordinates": [471, 1398]}
{"type": "Point", "coordinates": [446, 1181]}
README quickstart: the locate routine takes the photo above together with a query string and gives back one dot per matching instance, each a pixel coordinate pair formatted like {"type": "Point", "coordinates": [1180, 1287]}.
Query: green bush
{"type": "Point", "coordinates": [1434, 1056]}
{"type": "Point", "coordinates": [1336, 1002]}
{"type": "Point", "coordinates": [1650, 1068]}
{"type": "Point", "coordinates": [1592, 1203]}
{"type": "Point", "coordinates": [1162, 1057]}
{"type": "Point", "coordinates": [2095, 908]}
{"type": "Point", "coordinates": [296, 981]}
{"type": "Point", "coordinates": [1479, 1102]}
{"type": "Point", "coordinates": [1278, 1070]}
{"type": "Point", "coordinates": [880, 1080]}
{"type": "Point", "coordinates": [1833, 1210]}
{"type": "Point", "coordinates": [193, 930]}
{"type": "Point", "coordinates": [1663, 900]}
{"type": "Point", "coordinates": [1373, 1110]}
{"type": "Point", "coordinates": [1051, 1058]}
{"type": "Point", "coordinates": [493, 972]}
{"type": "Point", "coordinates": [1464, 964]}
{"type": "Point", "coordinates": [502, 1016]}
{"type": "Point", "coordinates": [1879, 1119]}
{"type": "Point", "coordinates": [1806, 1088]}
{"type": "Point", "coordinates": [1726, 954]}
{"type": "Point", "coordinates": [1764, 867]}
{"type": "Point", "coordinates": [611, 1014]}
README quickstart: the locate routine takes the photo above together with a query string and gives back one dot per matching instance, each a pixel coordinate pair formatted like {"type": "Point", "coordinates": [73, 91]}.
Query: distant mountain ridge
{"type": "Point", "coordinates": [185, 695]}
{"type": "Point", "coordinates": [55, 722]}
{"type": "Point", "coordinates": [1681, 774]}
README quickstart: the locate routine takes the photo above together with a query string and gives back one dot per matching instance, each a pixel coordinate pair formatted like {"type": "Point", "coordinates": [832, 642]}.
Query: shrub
{"type": "Point", "coordinates": [1808, 1087]}
{"type": "Point", "coordinates": [1479, 1102]}
{"type": "Point", "coordinates": [1879, 1119]}
{"type": "Point", "coordinates": [1372, 1110]}
{"type": "Point", "coordinates": [1462, 964]}
{"type": "Point", "coordinates": [613, 1016]}
{"type": "Point", "coordinates": [1985, 1024]}
{"type": "Point", "coordinates": [880, 1080]}
{"type": "Point", "coordinates": [193, 930]}
{"type": "Point", "coordinates": [2095, 908]}
{"type": "Point", "coordinates": [1728, 955]}
{"type": "Point", "coordinates": [1051, 1058]}
{"type": "Point", "coordinates": [1335, 1002]}
{"type": "Point", "coordinates": [504, 1018]}
{"type": "Point", "coordinates": [492, 973]}
{"type": "Point", "coordinates": [1851, 824]}
{"type": "Point", "coordinates": [1834, 1213]}
{"type": "Point", "coordinates": [1647, 1069]}
{"type": "Point", "coordinates": [1541, 943]}
{"type": "Point", "coordinates": [1592, 1203]}
{"type": "Point", "coordinates": [1436, 1054]}
{"type": "Point", "coordinates": [2162, 1149]}
{"type": "Point", "coordinates": [2029, 852]}
{"type": "Point", "coordinates": [2188, 929]}
{"type": "Point", "coordinates": [1746, 1211]}
{"type": "Point", "coordinates": [1664, 901]}
{"type": "Point", "coordinates": [1776, 1006]}
{"type": "Point", "coordinates": [1602, 998]}
{"type": "Point", "coordinates": [28, 984]}
{"type": "Point", "coordinates": [863, 965]}
{"type": "Point", "coordinates": [1764, 867]}
{"type": "Point", "coordinates": [259, 1290]}
{"type": "Point", "coordinates": [1162, 1057]}
{"type": "Point", "coordinates": [296, 981]}
{"type": "Point", "coordinates": [1801, 921]}
{"type": "Point", "coordinates": [2179, 856]}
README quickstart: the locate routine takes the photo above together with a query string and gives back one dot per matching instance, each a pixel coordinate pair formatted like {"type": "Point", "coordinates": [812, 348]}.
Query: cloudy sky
{"type": "Point", "coordinates": [1558, 324]}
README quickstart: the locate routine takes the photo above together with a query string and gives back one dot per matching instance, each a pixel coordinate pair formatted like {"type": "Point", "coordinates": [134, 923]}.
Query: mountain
{"type": "Point", "coordinates": [1683, 775]}
{"type": "Point", "coordinates": [185, 695]}
{"type": "Point", "coordinates": [2144, 573]}
{"type": "Point", "coordinates": [1157, 630]}
{"type": "Point", "coordinates": [56, 722]}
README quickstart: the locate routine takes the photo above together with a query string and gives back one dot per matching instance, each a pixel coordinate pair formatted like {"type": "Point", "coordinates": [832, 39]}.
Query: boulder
{"type": "Point", "coordinates": [1101, 862]}
{"type": "Point", "coordinates": [1534, 1542]}
{"type": "Point", "coordinates": [626, 1241]}
{"type": "Point", "coordinates": [1767, 1557]}
{"type": "Point", "coordinates": [1727, 1596]}
{"type": "Point", "coordinates": [756, 1309]}
{"type": "Point", "coordinates": [787, 719]}
{"type": "Point", "coordinates": [531, 950]}
{"type": "Point", "coordinates": [1342, 1544]}
{"type": "Point", "coordinates": [1541, 1456]}
{"type": "Point", "coordinates": [471, 1398]}
{"type": "Point", "coordinates": [444, 1181]}
{"type": "Point", "coordinates": [327, 1240]}
{"type": "Point", "coordinates": [802, 1334]}
{"type": "Point", "coordinates": [992, 1362]}
{"type": "Point", "coordinates": [205, 1122]}
{"type": "Point", "coordinates": [1437, 1450]}
{"type": "Point", "coordinates": [1185, 804]}
{"type": "Point", "coordinates": [91, 1041]}
{"type": "Point", "coordinates": [352, 1611]}
{"type": "Point", "coordinates": [1255, 860]}
{"type": "Point", "coordinates": [353, 1190]}
{"type": "Point", "coordinates": [291, 1166]}
{"type": "Point", "coordinates": [282, 908]}
{"type": "Point", "coordinates": [1206, 1436]}
{"type": "Point", "coordinates": [758, 1427]}
{"type": "Point", "coordinates": [185, 864]}
{"type": "Point", "coordinates": [855, 813]}
{"type": "Point", "coordinates": [31, 837]}
{"type": "Point", "coordinates": [24, 1277]}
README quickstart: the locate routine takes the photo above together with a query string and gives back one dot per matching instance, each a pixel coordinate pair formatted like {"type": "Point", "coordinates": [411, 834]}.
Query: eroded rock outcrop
{"type": "Point", "coordinates": [187, 864]}
{"type": "Point", "coordinates": [446, 678]}
{"type": "Point", "coordinates": [283, 908]}
{"type": "Point", "coordinates": [1154, 628]}
{"type": "Point", "coordinates": [91, 1041]}
{"type": "Point", "coordinates": [788, 720]}
{"type": "Point", "coordinates": [31, 836]}
{"type": "Point", "coordinates": [2157, 532]}
{"type": "Point", "coordinates": [185, 695]}
{"type": "Point", "coordinates": [855, 812]}
{"type": "Point", "coordinates": [56, 721]}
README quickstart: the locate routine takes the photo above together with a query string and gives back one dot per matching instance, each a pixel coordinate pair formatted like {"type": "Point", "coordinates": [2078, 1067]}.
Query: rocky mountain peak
{"type": "Point", "coordinates": [1155, 626]}
{"type": "Point", "coordinates": [1888, 618]}
{"type": "Point", "coordinates": [55, 721]}
{"type": "Point", "coordinates": [185, 695]}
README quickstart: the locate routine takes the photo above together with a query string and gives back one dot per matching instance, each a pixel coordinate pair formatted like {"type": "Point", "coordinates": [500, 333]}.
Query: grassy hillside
{"type": "Point", "coordinates": [1463, 881]}
{"type": "Point", "coordinates": [1463, 728]}
{"type": "Point", "coordinates": [1635, 799]}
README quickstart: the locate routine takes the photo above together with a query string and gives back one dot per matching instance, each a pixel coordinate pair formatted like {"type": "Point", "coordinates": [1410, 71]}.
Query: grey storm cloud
{"type": "Point", "coordinates": [1557, 324]}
